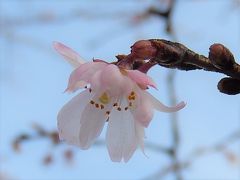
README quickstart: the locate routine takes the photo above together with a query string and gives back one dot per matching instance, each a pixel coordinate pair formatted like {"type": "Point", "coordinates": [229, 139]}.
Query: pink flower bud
{"type": "Point", "coordinates": [143, 49]}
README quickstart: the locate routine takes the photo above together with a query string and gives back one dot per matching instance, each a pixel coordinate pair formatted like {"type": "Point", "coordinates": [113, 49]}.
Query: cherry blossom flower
{"type": "Point", "coordinates": [112, 94]}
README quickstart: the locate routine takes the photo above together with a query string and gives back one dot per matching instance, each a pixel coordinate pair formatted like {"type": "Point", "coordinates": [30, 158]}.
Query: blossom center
{"type": "Point", "coordinates": [104, 98]}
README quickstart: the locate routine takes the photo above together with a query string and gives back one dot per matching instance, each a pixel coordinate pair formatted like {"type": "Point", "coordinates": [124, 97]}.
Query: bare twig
{"type": "Point", "coordinates": [219, 147]}
{"type": "Point", "coordinates": [41, 133]}
{"type": "Point", "coordinates": [167, 15]}
{"type": "Point", "coordinates": [175, 55]}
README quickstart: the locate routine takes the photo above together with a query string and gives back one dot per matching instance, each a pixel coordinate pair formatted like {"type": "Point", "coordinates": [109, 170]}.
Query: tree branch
{"type": "Point", "coordinates": [177, 56]}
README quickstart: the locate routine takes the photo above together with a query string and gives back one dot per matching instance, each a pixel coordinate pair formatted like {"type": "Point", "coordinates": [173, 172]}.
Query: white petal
{"type": "Point", "coordinates": [161, 107]}
{"type": "Point", "coordinates": [121, 136]}
{"type": "Point", "coordinates": [92, 122]}
{"type": "Point", "coordinates": [69, 118]}
{"type": "Point", "coordinates": [70, 55]}
{"type": "Point", "coordinates": [143, 112]}
{"type": "Point", "coordinates": [140, 135]}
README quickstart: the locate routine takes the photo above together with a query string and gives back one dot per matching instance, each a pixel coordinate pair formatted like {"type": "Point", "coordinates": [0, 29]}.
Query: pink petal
{"type": "Point", "coordinates": [121, 136]}
{"type": "Point", "coordinates": [112, 80]}
{"type": "Point", "coordinates": [141, 78]}
{"type": "Point", "coordinates": [77, 85]}
{"type": "Point", "coordinates": [92, 122]}
{"type": "Point", "coordinates": [95, 82]}
{"type": "Point", "coordinates": [70, 55]}
{"type": "Point", "coordinates": [143, 113]}
{"type": "Point", "coordinates": [69, 118]}
{"type": "Point", "coordinates": [99, 60]}
{"type": "Point", "coordinates": [161, 107]}
{"type": "Point", "coordinates": [84, 73]}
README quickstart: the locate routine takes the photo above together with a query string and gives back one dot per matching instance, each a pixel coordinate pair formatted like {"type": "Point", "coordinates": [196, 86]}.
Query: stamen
{"type": "Point", "coordinates": [115, 104]}
{"type": "Point", "coordinates": [131, 97]}
{"type": "Point", "coordinates": [97, 105]}
{"type": "Point", "coordinates": [85, 87]}
{"type": "Point", "coordinates": [104, 98]}
{"type": "Point", "coordinates": [126, 108]}
{"type": "Point", "coordinates": [119, 109]}
{"type": "Point", "coordinates": [90, 90]}
{"type": "Point", "coordinates": [132, 93]}
{"type": "Point", "coordinates": [101, 106]}
{"type": "Point", "coordinates": [92, 102]}
{"type": "Point", "coordinates": [130, 104]}
{"type": "Point", "coordinates": [107, 112]}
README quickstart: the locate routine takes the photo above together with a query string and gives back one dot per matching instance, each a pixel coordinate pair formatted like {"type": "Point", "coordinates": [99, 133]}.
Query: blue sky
{"type": "Point", "coordinates": [33, 78]}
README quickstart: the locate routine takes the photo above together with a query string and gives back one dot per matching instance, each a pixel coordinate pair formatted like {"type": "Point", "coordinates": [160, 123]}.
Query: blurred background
{"type": "Point", "coordinates": [33, 78]}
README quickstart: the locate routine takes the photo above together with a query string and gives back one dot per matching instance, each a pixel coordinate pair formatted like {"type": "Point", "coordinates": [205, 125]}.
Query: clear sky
{"type": "Point", "coordinates": [33, 78]}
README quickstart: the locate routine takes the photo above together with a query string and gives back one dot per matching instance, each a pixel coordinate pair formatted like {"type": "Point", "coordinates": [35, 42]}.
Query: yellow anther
{"type": "Point", "coordinates": [104, 98]}
{"type": "Point", "coordinates": [131, 97]}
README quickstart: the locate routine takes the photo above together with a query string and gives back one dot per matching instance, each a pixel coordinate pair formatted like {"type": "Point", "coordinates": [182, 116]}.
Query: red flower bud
{"type": "Point", "coordinates": [143, 49]}
{"type": "Point", "coordinates": [221, 57]}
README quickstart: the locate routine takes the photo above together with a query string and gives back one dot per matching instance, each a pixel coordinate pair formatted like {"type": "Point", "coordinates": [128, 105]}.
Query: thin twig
{"type": "Point", "coordinates": [167, 15]}
{"type": "Point", "coordinates": [41, 133]}
{"type": "Point", "coordinates": [221, 146]}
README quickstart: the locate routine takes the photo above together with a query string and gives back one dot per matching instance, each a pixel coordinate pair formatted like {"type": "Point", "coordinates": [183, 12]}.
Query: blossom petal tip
{"type": "Point", "coordinates": [126, 160]}
{"type": "Point", "coordinates": [115, 160]}
{"type": "Point", "coordinates": [69, 54]}
{"type": "Point", "coordinates": [154, 86]}
{"type": "Point", "coordinates": [57, 45]}
{"type": "Point", "coordinates": [146, 124]}
{"type": "Point", "coordinates": [67, 90]}
{"type": "Point", "coordinates": [54, 43]}
{"type": "Point", "coordinates": [181, 105]}
{"type": "Point", "coordinates": [84, 147]}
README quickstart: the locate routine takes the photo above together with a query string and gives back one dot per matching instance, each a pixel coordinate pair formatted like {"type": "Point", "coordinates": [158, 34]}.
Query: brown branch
{"type": "Point", "coordinates": [177, 56]}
